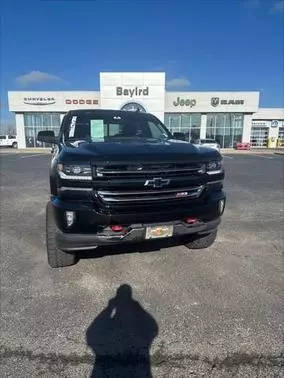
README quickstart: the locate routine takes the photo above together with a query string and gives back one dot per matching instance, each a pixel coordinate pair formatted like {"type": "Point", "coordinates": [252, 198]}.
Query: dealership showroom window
{"type": "Point", "coordinates": [35, 122]}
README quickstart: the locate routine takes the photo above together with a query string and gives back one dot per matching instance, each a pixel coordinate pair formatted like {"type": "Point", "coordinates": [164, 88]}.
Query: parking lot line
{"type": "Point", "coordinates": [26, 156]}
{"type": "Point", "coordinates": [265, 157]}
{"type": "Point", "coordinates": [228, 157]}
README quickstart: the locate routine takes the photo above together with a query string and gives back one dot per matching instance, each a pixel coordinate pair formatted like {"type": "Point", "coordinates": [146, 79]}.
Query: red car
{"type": "Point", "coordinates": [242, 146]}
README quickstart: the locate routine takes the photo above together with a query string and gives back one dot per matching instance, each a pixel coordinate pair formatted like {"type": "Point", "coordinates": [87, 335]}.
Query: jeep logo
{"type": "Point", "coordinates": [184, 102]}
{"type": "Point", "coordinates": [157, 182]}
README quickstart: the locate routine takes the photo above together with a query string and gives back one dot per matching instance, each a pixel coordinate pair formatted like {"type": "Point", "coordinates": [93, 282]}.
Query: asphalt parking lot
{"type": "Point", "coordinates": [215, 312]}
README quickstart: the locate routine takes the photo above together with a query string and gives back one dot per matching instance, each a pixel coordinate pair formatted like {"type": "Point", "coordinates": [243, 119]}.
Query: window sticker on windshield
{"type": "Point", "coordinates": [72, 127]}
{"type": "Point", "coordinates": [97, 129]}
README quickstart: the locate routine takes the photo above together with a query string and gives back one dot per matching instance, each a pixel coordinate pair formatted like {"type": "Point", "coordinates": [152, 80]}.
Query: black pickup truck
{"type": "Point", "coordinates": [119, 177]}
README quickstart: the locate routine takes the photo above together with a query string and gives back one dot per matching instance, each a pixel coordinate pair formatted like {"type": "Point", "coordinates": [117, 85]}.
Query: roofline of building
{"type": "Point", "coordinates": [167, 91]}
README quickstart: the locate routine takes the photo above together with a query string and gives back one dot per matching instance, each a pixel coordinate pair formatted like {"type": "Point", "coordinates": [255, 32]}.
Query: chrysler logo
{"type": "Point", "coordinates": [157, 182]}
{"type": "Point", "coordinates": [215, 101]}
{"type": "Point", "coordinates": [39, 100]}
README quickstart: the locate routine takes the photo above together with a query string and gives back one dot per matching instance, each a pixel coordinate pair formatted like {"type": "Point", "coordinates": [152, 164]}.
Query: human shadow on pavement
{"type": "Point", "coordinates": [121, 337]}
{"type": "Point", "coordinates": [143, 247]}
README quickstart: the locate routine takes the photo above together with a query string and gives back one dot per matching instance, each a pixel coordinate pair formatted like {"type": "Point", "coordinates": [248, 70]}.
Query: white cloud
{"type": "Point", "coordinates": [36, 77]}
{"type": "Point", "coordinates": [178, 83]}
{"type": "Point", "coordinates": [278, 7]}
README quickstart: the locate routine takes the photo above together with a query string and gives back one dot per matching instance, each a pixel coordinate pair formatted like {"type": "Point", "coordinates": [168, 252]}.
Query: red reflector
{"type": "Point", "coordinates": [116, 228]}
{"type": "Point", "coordinates": [191, 220]}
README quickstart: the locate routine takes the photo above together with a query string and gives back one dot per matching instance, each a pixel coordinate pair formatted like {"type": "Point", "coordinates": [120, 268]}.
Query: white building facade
{"type": "Point", "coordinates": [227, 117]}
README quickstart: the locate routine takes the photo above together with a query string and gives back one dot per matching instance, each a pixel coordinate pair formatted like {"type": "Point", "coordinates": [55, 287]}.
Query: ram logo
{"type": "Point", "coordinates": [215, 101]}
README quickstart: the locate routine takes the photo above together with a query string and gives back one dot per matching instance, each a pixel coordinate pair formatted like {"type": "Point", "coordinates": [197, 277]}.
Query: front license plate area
{"type": "Point", "coordinates": [156, 232]}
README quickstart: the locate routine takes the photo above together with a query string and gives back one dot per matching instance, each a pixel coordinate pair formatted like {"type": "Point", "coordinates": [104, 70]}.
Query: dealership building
{"type": "Point", "coordinates": [226, 116]}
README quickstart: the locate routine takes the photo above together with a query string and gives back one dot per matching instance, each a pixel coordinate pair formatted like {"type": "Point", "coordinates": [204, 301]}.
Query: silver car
{"type": "Point", "coordinates": [208, 143]}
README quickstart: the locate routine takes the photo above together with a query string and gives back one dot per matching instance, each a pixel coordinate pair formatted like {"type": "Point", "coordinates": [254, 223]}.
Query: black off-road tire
{"type": "Point", "coordinates": [202, 241]}
{"type": "Point", "coordinates": [56, 257]}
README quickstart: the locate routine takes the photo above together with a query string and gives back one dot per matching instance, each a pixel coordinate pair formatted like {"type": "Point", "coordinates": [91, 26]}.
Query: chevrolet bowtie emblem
{"type": "Point", "coordinates": [157, 182]}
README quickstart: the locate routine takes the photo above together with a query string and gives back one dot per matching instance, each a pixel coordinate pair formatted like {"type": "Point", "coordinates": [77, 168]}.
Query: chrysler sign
{"type": "Point", "coordinates": [39, 100]}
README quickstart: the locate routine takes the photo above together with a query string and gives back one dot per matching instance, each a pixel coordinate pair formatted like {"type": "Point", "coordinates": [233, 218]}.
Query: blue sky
{"type": "Point", "coordinates": [200, 44]}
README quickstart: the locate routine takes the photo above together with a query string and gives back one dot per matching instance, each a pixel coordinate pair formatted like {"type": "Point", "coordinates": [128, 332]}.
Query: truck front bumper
{"type": "Point", "coordinates": [135, 233]}
{"type": "Point", "coordinates": [88, 230]}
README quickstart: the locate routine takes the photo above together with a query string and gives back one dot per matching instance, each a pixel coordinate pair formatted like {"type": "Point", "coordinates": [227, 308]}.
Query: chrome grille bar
{"type": "Point", "coordinates": [151, 195]}
{"type": "Point", "coordinates": [148, 169]}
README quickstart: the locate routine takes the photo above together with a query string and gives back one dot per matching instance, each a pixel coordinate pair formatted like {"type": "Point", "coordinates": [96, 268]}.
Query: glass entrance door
{"type": "Point", "coordinates": [225, 128]}
{"type": "Point", "coordinates": [187, 123]}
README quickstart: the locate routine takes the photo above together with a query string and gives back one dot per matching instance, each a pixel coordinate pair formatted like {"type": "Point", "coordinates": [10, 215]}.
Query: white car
{"type": "Point", "coordinates": [8, 141]}
{"type": "Point", "coordinates": [208, 143]}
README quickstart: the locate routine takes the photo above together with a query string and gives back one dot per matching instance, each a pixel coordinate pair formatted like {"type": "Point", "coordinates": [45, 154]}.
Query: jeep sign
{"type": "Point", "coordinates": [184, 102]}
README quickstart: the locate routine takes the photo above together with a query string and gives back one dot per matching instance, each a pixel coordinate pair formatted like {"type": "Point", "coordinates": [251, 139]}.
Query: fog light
{"type": "Point", "coordinates": [221, 206]}
{"type": "Point", "coordinates": [191, 220]}
{"type": "Point", "coordinates": [70, 217]}
{"type": "Point", "coordinates": [116, 228]}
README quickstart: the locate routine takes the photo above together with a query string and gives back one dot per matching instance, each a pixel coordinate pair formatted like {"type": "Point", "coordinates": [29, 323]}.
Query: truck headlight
{"type": "Point", "coordinates": [74, 172]}
{"type": "Point", "coordinates": [214, 167]}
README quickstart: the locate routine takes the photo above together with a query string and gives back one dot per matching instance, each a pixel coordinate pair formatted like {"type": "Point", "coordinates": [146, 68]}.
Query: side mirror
{"type": "Point", "coordinates": [47, 136]}
{"type": "Point", "coordinates": [195, 141]}
{"type": "Point", "coordinates": [179, 136]}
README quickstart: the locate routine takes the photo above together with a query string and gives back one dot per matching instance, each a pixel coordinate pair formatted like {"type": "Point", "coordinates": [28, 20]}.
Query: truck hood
{"type": "Point", "coordinates": [167, 150]}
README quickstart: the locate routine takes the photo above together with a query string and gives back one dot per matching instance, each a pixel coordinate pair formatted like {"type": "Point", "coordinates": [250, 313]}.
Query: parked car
{"type": "Point", "coordinates": [120, 177]}
{"type": "Point", "coordinates": [8, 141]}
{"type": "Point", "coordinates": [242, 146]}
{"type": "Point", "coordinates": [207, 143]}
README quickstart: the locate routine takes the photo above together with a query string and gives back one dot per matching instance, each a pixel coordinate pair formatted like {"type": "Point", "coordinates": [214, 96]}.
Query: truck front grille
{"type": "Point", "coordinates": [147, 170]}
{"type": "Point", "coordinates": [123, 196]}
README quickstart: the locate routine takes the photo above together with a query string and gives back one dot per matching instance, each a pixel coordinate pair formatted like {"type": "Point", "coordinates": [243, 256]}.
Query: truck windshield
{"type": "Point", "coordinates": [100, 127]}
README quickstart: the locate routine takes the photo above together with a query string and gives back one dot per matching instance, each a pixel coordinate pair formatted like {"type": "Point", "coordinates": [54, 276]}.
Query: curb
{"type": "Point", "coordinates": [25, 150]}
{"type": "Point", "coordinates": [250, 152]}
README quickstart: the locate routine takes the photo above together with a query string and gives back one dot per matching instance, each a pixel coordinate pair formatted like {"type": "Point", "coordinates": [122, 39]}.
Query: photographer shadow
{"type": "Point", "coordinates": [145, 247]}
{"type": "Point", "coordinates": [121, 337]}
